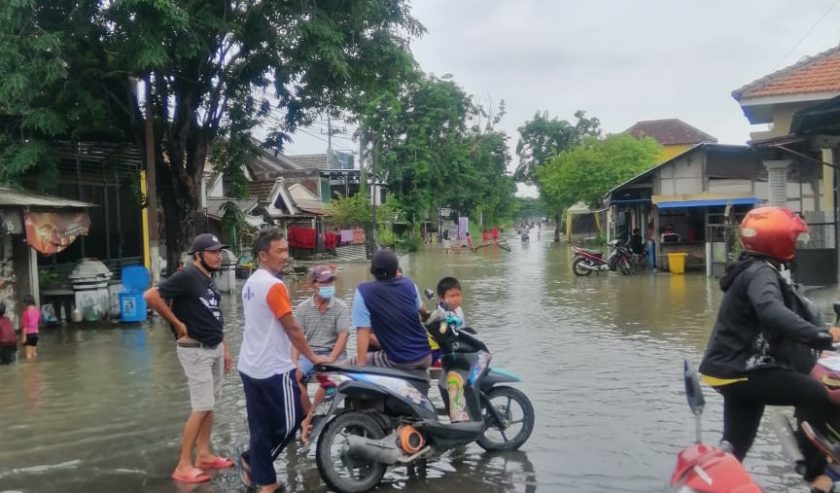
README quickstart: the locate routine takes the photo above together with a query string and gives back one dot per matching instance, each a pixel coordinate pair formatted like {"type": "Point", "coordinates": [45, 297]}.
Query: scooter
{"type": "Point", "coordinates": [374, 417]}
{"type": "Point", "coordinates": [586, 261]}
{"type": "Point", "coordinates": [703, 468]}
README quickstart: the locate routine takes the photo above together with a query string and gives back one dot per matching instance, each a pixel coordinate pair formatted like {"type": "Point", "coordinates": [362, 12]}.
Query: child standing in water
{"type": "Point", "coordinates": [30, 321]}
{"type": "Point", "coordinates": [8, 338]}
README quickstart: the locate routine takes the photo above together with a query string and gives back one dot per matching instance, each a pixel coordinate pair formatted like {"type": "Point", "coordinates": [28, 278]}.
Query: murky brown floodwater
{"type": "Point", "coordinates": [101, 410]}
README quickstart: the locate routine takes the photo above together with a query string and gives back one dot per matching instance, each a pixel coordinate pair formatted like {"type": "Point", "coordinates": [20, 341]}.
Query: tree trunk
{"type": "Point", "coordinates": [180, 196]}
{"type": "Point", "coordinates": [557, 218]}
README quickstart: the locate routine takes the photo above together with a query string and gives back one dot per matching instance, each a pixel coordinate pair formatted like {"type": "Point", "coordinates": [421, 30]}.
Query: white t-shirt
{"type": "Point", "coordinates": [266, 348]}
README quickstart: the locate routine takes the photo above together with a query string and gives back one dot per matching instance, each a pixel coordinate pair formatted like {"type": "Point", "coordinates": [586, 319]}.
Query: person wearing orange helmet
{"type": "Point", "coordinates": [762, 345]}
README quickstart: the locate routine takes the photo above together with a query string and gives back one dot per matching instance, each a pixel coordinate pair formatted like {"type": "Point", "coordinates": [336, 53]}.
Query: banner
{"type": "Point", "coordinates": [52, 232]}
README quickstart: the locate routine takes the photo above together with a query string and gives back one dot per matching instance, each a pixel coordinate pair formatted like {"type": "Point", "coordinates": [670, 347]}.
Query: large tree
{"type": "Point", "coordinates": [586, 172]}
{"type": "Point", "coordinates": [434, 147]}
{"type": "Point", "coordinates": [543, 138]}
{"type": "Point", "coordinates": [217, 68]}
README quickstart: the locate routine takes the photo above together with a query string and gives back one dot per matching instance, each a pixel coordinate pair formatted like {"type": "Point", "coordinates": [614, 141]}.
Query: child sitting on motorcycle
{"type": "Point", "coordinates": [760, 351]}
{"type": "Point", "coordinates": [449, 299]}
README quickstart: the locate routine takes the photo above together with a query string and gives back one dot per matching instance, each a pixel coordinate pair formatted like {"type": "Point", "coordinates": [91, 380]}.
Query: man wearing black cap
{"type": "Point", "coordinates": [189, 301]}
{"type": "Point", "coordinates": [390, 308]}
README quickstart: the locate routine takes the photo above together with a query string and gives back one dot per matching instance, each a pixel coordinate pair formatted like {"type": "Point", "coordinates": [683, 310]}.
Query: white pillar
{"type": "Point", "coordinates": [777, 182]}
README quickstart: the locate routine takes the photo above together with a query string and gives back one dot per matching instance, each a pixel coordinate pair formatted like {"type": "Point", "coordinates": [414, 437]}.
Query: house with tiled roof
{"type": "Point", "coordinates": [774, 98]}
{"type": "Point", "coordinates": [793, 162]}
{"type": "Point", "coordinates": [674, 135]}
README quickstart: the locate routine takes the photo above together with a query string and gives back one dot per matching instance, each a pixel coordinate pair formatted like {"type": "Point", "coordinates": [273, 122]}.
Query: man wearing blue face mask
{"type": "Point", "coordinates": [326, 324]}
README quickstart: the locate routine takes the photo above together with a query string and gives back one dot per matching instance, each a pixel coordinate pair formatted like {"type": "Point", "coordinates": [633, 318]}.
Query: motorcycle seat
{"type": "Point", "coordinates": [597, 253]}
{"type": "Point", "coordinates": [419, 375]}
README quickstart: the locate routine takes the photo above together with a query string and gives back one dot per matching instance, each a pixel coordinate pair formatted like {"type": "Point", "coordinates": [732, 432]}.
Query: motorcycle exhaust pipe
{"type": "Point", "coordinates": [385, 450]}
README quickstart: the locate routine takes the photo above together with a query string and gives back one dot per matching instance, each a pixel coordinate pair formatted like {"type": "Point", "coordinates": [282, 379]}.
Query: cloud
{"type": "Point", "coordinates": [620, 61]}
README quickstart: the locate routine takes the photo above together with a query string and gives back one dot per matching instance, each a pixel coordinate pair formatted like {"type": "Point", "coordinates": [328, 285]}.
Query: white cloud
{"type": "Point", "coordinates": [620, 61]}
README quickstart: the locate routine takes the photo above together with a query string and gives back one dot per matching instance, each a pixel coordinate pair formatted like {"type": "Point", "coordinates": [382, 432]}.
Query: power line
{"type": "Point", "coordinates": [807, 34]}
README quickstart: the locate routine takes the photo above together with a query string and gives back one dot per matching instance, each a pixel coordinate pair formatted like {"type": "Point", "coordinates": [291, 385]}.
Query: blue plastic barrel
{"type": "Point", "coordinates": [132, 307]}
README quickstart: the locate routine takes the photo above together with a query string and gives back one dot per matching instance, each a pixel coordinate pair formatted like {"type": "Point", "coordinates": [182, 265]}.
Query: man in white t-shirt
{"type": "Point", "coordinates": [272, 396]}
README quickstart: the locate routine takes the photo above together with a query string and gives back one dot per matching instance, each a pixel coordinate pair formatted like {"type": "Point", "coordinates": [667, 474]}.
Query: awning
{"type": "Point", "coordinates": [708, 203]}
{"type": "Point", "coordinates": [10, 197]}
{"type": "Point", "coordinates": [645, 200]}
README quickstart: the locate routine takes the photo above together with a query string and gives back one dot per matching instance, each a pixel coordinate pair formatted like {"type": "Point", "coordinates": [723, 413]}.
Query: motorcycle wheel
{"type": "Point", "coordinates": [342, 473]}
{"type": "Point", "coordinates": [579, 269]}
{"type": "Point", "coordinates": [516, 425]}
{"type": "Point", "coordinates": [624, 266]}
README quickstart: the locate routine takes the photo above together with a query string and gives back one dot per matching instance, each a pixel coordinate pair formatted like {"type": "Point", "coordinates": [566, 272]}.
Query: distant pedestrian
{"type": "Point", "coordinates": [485, 236]}
{"type": "Point", "coordinates": [189, 301]}
{"type": "Point", "coordinates": [494, 233]}
{"type": "Point", "coordinates": [8, 338]}
{"type": "Point", "coordinates": [30, 321]}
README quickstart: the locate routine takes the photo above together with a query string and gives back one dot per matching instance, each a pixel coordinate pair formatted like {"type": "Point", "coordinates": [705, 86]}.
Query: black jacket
{"type": "Point", "coordinates": [761, 323]}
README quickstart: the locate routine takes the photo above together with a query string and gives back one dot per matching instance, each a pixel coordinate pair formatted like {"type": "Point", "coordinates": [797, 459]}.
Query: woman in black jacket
{"type": "Point", "coordinates": [760, 351]}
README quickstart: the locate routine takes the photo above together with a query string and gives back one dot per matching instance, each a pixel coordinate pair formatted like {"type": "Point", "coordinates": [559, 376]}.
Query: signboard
{"type": "Point", "coordinates": [52, 232]}
{"type": "Point", "coordinates": [445, 212]}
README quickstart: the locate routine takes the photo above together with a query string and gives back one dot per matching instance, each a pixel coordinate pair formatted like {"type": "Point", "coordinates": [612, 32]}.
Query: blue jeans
{"type": "Point", "coordinates": [307, 367]}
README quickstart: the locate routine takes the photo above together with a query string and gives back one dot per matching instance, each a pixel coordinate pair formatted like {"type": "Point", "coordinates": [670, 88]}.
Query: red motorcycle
{"type": "Point", "coordinates": [703, 468]}
{"type": "Point", "coordinates": [586, 261]}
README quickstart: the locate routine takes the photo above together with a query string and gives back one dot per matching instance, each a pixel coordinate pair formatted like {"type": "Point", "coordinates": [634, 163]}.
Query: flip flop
{"type": "Point", "coordinates": [245, 471]}
{"type": "Point", "coordinates": [217, 463]}
{"type": "Point", "coordinates": [194, 476]}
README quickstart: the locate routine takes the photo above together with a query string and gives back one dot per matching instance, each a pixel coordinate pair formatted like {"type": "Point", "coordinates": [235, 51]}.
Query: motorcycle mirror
{"type": "Point", "coordinates": [693, 392]}
{"type": "Point", "coordinates": [429, 293]}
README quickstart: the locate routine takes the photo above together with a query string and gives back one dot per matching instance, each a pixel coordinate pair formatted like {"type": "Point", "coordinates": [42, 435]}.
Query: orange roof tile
{"type": "Point", "coordinates": [819, 73]}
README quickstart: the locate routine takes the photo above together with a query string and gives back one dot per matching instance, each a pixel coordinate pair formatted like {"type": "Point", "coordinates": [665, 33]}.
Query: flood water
{"type": "Point", "coordinates": [101, 409]}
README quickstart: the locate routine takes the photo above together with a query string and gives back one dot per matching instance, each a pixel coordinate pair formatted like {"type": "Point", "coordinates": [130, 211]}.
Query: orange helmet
{"type": "Point", "coordinates": [772, 232]}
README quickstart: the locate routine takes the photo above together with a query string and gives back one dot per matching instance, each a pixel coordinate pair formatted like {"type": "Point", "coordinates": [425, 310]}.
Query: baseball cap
{"type": "Point", "coordinates": [322, 273]}
{"type": "Point", "coordinates": [205, 242]}
{"type": "Point", "coordinates": [384, 261]}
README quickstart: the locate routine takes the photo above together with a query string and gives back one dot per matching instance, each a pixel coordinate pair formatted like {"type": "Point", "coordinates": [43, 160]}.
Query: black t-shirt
{"type": "Point", "coordinates": [195, 301]}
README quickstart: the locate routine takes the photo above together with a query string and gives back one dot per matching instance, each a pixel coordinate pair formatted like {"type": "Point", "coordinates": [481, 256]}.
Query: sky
{"type": "Point", "coordinates": [619, 60]}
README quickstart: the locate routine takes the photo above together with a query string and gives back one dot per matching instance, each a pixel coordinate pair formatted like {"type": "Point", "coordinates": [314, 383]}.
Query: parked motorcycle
{"type": "Point", "coordinates": [703, 468]}
{"type": "Point", "coordinates": [586, 261]}
{"type": "Point", "coordinates": [376, 417]}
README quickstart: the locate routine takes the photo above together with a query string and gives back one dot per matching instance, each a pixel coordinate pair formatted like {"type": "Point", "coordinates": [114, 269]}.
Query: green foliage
{"type": "Point", "coordinates": [530, 207]}
{"type": "Point", "coordinates": [434, 147]}
{"type": "Point", "coordinates": [217, 70]}
{"type": "Point", "coordinates": [588, 171]}
{"type": "Point", "coordinates": [356, 211]}
{"type": "Point", "coordinates": [543, 138]}
{"type": "Point", "coordinates": [409, 242]}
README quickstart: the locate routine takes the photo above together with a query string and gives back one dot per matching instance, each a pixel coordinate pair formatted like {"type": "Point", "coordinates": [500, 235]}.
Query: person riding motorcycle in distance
{"type": "Point", "coordinates": [751, 358]}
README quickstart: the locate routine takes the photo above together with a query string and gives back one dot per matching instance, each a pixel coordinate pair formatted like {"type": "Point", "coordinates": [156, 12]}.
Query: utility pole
{"type": "Point", "coordinates": [151, 186]}
{"type": "Point", "coordinates": [373, 196]}
{"type": "Point", "coordinates": [329, 135]}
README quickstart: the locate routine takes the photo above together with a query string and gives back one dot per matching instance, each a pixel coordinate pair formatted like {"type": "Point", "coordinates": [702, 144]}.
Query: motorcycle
{"type": "Point", "coordinates": [586, 261]}
{"type": "Point", "coordinates": [703, 468]}
{"type": "Point", "coordinates": [376, 417]}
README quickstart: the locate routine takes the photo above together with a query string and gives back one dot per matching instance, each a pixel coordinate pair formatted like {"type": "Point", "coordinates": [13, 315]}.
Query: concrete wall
{"type": "Point", "coordinates": [683, 176]}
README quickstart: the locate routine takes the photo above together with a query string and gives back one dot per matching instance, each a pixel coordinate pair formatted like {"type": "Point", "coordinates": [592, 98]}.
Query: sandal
{"type": "Point", "coordinates": [194, 476]}
{"type": "Point", "coordinates": [216, 463]}
{"type": "Point", "coordinates": [245, 471]}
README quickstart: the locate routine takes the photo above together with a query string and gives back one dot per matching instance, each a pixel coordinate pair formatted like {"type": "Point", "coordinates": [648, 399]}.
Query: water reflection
{"type": "Point", "coordinates": [101, 409]}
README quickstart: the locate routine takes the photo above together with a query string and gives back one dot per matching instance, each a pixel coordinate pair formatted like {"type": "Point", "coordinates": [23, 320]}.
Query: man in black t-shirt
{"type": "Point", "coordinates": [189, 301]}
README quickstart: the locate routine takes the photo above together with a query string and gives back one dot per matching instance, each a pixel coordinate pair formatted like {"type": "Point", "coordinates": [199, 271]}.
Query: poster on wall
{"type": "Point", "coordinates": [52, 232]}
